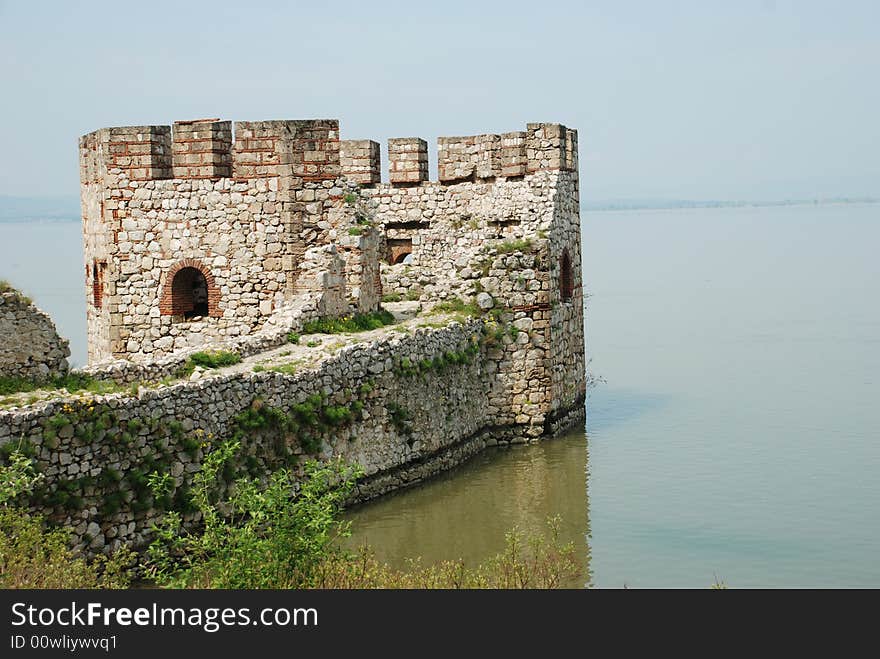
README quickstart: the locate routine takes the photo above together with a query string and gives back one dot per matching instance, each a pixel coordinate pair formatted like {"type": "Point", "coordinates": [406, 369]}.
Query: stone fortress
{"type": "Point", "coordinates": [210, 235]}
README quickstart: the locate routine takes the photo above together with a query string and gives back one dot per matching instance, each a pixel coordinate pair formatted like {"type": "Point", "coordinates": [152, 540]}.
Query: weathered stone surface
{"type": "Point", "coordinates": [30, 347]}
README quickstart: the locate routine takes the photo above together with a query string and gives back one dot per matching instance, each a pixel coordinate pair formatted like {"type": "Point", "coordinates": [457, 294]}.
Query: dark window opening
{"type": "Point", "coordinates": [98, 283]}
{"type": "Point", "coordinates": [398, 250]}
{"type": "Point", "coordinates": [189, 293]}
{"type": "Point", "coordinates": [566, 283]}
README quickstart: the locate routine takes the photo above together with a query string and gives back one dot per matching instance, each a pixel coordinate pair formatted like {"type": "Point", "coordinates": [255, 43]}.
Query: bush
{"type": "Point", "coordinates": [271, 539]}
{"type": "Point", "coordinates": [32, 556]}
{"type": "Point", "coordinates": [72, 382]}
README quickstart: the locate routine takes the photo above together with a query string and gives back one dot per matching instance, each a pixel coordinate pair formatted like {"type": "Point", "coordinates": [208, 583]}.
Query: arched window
{"type": "Point", "coordinates": [566, 282]}
{"type": "Point", "coordinates": [190, 292]}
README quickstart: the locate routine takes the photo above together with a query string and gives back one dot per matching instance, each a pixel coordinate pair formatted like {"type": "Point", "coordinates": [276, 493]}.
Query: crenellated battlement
{"type": "Point", "coordinates": [210, 149]}
{"type": "Point", "coordinates": [509, 155]}
{"type": "Point", "coordinates": [310, 150]}
{"type": "Point", "coordinates": [202, 149]}
{"type": "Point", "coordinates": [360, 161]}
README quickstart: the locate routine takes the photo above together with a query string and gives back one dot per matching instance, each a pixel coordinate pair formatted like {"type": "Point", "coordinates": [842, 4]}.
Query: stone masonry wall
{"type": "Point", "coordinates": [31, 347]}
{"type": "Point", "coordinates": [402, 407]}
{"type": "Point", "coordinates": [493, 231]}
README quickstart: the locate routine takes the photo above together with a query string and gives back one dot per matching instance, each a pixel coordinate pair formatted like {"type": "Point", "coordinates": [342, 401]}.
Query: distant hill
{"type": "Point", "coordinates": [659, 204]}
{"type": "Point", "coordinates": [35, 209]}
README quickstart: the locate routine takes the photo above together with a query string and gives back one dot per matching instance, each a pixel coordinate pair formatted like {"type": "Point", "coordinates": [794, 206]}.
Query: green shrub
{"type": "Point", "coordinates": [399, 417]}
{"type": "Point", "coordinates": [273, 539]}
{"type": "Point", "coordinates": [292, 337]}
{"type": "Point", "coordinates": [73, 382]}
{"type": "Point", "coordinates": [391, 297]}
{"type": "Point", "coordinates": [32, 556]}
{"type": "Point", "coordinates": [337, 415]}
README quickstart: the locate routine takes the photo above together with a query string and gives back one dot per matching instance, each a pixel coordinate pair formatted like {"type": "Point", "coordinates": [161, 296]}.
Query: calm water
{"type": "Point", "coordinates": [737, 437]}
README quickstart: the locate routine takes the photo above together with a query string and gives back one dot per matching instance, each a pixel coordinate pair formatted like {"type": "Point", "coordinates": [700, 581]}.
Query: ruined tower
{"type": "Point", "coordinates": [199, 232]}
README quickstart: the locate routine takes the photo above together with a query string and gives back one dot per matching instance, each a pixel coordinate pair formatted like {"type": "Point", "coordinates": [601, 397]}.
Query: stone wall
{"type": "Point", "coordinates": [402, 408]}
{"type": "Point", "coordinates": [496, 230]}
{"type": "Point", "coordinates": [31, 347]}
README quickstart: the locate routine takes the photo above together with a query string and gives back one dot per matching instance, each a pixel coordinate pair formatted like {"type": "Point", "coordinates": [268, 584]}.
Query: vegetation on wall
{"type": "Point", "coordinates": [6, 287]}
{"type": "Point", "coordinates": [259, 536]}
{"type": "Point", "coordinates": [356, 323]}
{"type": "Point", "coordinates": [511, 246]}
{"type": "Point", "coordinates": [73, 382]}
{"type": "Point", "coordinates": [35, 556]}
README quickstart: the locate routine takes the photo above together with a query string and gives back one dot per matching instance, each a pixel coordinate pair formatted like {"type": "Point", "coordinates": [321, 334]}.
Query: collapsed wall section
{"type": "Point", "coordinates": [31, 348]}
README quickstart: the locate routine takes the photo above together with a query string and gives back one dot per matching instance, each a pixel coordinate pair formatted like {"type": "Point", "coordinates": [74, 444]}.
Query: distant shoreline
{"type": "Point", "coordinates": [51, 217]}
{"type": "Point", "coordinates": [686, 205]}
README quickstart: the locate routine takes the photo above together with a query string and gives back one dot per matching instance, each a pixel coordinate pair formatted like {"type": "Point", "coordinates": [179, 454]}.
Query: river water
{"type": "Point", "coordinates": [737, 437]}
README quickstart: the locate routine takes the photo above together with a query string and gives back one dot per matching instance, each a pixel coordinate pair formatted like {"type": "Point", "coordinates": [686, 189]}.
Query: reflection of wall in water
{"type": "Point", "coordinates": [465, 514]}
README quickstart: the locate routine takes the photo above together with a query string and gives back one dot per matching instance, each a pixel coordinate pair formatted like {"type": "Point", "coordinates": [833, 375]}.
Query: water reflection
{"type": "Point", "coordinates": [465, 513]}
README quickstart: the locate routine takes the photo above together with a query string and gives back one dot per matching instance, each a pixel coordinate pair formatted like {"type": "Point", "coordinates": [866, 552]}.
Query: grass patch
{"type": "Point", "coordinates": [215, 359]}
{"type": "Point", "coordinates": [391, 297]}
{"type": "Point", "coordinates": [292, 337]}
{"type": "Point", "coordinates": [288, 369]}
{"type": "Point", "coordinates": [510, 246]}
{"type": "Point", "coordinates": [355, 231]}
{"type": "Point", "coordinates": [457, 306]}
{"type": "Point", "coordinates": [357, 323]}
{"type": "Point", "coordinates": [6, 287]}
{"type": "Point", "coordinates": [73, 382]}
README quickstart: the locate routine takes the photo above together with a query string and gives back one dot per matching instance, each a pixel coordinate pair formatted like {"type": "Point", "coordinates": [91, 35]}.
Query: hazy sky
{"type": "Point", "coordinates": [755, 99]}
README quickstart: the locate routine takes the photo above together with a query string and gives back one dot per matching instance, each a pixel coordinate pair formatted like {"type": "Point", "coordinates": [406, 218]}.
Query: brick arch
{"type": "Point", "coordinates": [566, 278]}
{"type": "Point", "coordinates": [171, 304]}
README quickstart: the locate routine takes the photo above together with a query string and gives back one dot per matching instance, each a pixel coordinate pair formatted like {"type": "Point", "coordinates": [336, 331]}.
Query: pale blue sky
{"type": "Point", "coordinates": [755, 99]}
